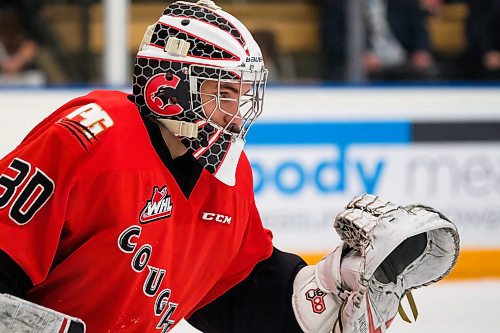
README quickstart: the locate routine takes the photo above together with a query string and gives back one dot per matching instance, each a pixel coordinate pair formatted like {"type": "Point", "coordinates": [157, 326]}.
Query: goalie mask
{"type": "Point", "coordinates": [200, 73]}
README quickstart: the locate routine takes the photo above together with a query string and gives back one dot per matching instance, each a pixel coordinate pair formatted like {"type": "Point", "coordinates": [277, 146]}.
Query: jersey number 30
{"type": "Point", "coordinates": [33, 195]}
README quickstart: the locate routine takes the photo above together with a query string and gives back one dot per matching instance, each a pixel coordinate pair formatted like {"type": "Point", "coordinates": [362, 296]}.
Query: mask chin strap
{"type": "Point", "coordinates": [181, 128]}
{"type": "Point", "coordinates": [227, 170]}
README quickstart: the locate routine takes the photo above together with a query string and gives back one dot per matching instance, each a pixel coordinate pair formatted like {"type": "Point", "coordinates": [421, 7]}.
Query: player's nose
{"type": "Point", "coordinates": [233, 122]}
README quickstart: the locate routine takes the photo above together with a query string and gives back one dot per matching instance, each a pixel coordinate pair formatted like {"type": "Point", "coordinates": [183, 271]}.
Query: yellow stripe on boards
{"type": "Point", "coordinates": [472, 264]}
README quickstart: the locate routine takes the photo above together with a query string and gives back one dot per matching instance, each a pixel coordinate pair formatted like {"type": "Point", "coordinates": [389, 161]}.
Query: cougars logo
{"type": "Point", "coordinates": [166, 94]}
{"type": "Point", "coordinates": [159, 207]}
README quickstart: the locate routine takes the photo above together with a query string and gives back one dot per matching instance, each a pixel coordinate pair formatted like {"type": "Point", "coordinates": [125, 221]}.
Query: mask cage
{"type": "Point", "coordinates": [241, 109]}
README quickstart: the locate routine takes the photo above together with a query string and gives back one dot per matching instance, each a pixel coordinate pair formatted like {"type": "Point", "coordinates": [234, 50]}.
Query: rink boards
{"type": "Point", "coordinates": [316, 148]}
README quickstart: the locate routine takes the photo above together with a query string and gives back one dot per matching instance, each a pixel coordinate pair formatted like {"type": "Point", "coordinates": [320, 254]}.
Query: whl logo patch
{"type": "Point", "coordinates": [159, 207]}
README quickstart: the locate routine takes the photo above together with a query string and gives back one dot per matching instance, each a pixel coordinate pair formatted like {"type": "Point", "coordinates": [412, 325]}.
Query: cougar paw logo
{"type": "Point", "coordinates": [166, 94]}
{"type": "Point", "coordinates": [159, 207]}
{"type": "Point", "coordinates": [317, 299]}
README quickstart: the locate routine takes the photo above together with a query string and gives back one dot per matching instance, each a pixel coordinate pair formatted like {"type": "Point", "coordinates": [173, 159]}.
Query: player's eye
{"type": "Point", "coordinates": [224, 94]}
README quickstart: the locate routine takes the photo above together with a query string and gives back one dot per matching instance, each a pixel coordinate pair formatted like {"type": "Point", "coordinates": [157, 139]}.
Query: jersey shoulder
{"type": "Point", "coordinates": [101, 111]}
{"type": "Point", "coordinates": [88, 120]}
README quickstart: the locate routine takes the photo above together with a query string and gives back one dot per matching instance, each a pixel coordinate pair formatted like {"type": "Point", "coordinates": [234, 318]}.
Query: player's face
{"type": "Point", "coordinates": [226, 112]}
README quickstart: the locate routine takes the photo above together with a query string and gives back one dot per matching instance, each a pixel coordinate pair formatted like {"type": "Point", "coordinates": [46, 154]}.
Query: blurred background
{"type": "Point", "coordinates": [399, 98]}
{"type": "Point", "coordinates": [54, 42]}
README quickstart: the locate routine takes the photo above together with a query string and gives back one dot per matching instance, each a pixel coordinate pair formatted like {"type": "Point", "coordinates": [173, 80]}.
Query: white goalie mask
{"type": "Point", "coordinates": [200, 72]}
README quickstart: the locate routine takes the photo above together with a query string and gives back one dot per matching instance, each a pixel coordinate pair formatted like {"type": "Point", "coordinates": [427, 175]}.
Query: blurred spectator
{"type": "Point", "coordinates": [267, 42]}
{"type": "Point", "coordinates": [19, 43]}
{"type": "Point", "coordinates": [397, 41]}
{"type": "Point", "coordinates": [483, 39]}
{"type": "Point", "coordinates": [432, 7]}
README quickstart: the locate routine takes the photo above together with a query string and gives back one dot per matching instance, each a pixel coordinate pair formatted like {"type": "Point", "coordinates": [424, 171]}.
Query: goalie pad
{"type": "Point", "coordinates": [20, 316]}
{"type": "Point", "coordinates": [387, 250]}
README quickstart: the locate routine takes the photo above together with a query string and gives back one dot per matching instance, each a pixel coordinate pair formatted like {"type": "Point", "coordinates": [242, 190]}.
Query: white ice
{"type": "Point", "coordinates": [455, 307]}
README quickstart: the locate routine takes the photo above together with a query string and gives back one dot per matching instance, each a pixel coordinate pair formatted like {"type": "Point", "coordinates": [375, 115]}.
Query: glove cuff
{"type": "Point", "coordinates": [315, 309]}
{"type": "Point", "coordinates": [339, 273]}
{"type": "Point", "coordinates": [320, 290]}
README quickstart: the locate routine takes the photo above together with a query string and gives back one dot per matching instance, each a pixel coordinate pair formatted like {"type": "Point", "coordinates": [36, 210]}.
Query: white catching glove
{"type": "Point", "coordinates": [387, 250]}
{"type": "Point", "coordinates": [20, 316]}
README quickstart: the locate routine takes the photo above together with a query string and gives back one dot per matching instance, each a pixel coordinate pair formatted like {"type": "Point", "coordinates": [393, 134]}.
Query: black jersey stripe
{"type": "Point", "coordinates": [265, 293]}
{"type": "Point", "coordinates": [82, 129]}
{"type": "Point", "coordinates": [74, 133]}
{"type": "Point", "coordinates": [13, 279]}
{"type": "Point", "coordinates": [77, 129]}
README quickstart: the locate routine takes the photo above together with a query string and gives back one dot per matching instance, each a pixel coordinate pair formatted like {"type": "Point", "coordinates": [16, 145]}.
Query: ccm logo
{"type": "Point", "coordinates": [224, 219]}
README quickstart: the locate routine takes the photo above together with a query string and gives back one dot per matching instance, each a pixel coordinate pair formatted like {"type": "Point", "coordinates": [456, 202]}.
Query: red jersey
{"type": "Point", "coordinates": [96, 220]}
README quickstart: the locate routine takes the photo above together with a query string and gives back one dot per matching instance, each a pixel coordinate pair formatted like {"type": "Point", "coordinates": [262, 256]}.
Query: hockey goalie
{"type": "Point", "coordinates": [125, 213]}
